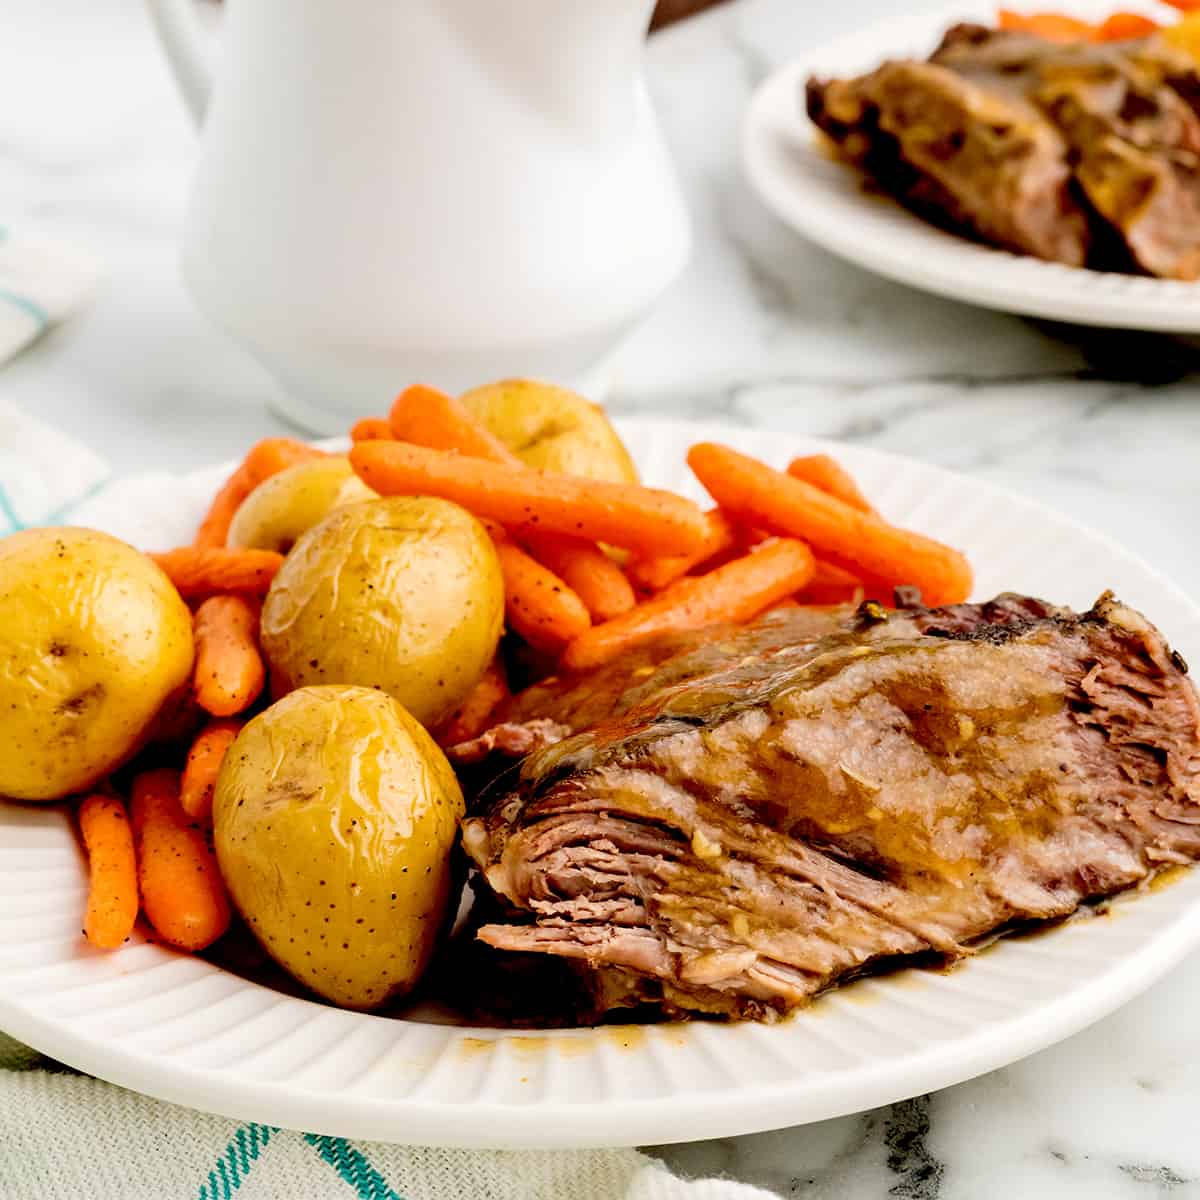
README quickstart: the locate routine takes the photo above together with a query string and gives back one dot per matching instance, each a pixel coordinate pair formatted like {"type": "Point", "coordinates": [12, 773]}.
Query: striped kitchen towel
{"type": "Point", "coordinates": [65, 1136]}
{"type": "Point", "coordinates": [41, 282]}
{"type": "Point", "coordinates": [41, 472]}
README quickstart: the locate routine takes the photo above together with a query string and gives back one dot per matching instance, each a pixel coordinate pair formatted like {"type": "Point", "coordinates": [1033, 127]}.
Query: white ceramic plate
{"type": "Point", "coordinates": [178, 1028]}
{"type": "Point", "coordinates": [824, 199]}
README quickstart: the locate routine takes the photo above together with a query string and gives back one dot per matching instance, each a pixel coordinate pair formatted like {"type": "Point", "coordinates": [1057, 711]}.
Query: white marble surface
{"type": "Point", "coordinates": [763, 329]}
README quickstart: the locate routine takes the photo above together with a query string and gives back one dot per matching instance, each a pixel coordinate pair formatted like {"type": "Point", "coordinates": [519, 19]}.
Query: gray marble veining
{"type": "Point", "coordinates": [763, 330]}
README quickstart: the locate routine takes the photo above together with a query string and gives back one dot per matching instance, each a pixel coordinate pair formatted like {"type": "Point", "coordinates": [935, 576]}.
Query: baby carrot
{"type": "Point", "coordinates": [587, 571]}
{"type": "Point", "coordinates": [537, 604]}
{"type": "Point", "coordinates": [112, 904]}
{"type": "Point", "coordinates": [471, 718]}
{"type": "Point", "coordinates": [203, 765]}
{"type": "Point", "coordinates": [1054, 27]}
{"type": "Point", "coordinates": [229, 672]}
{"type": "Point", "coordinates": [749, 537]}
{"type": "Point", "coordinates": [661, 570]}
{"type": "Point", "coordinates": [739, 590]}
{"type": "Point", "coordinates": [272, 455]}
{"type": "Point", "coordinates": [639, 518]}
{"type": "Point", "coordinates": [426, 417]}
{"type": "Point", "coordinates": [182, 892]}
{"type": "Point", "coordinates": [763, 497]}
{"type": "Point", "coordinates": [198, 571]}
{"type": "Point", "coordinates": [832, 584]}
{"type": "Point", "coordinates": [214, 529]}
{"type": "Point", "coordinates": [371, 429]}
{"type": "Point", "coordinates": [265, 459]}
{"type": "Point", "coordinates": [1125, 26]}
{"type": "Point", "coordinates": [830, 476]}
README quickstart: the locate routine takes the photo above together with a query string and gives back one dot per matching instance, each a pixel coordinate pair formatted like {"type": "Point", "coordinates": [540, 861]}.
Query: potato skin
{"type": "Point", "coordinates": [402, 594]}
{"type": "Point", "coordinates": [290, 503]}
{"type": "Point", "coordinates": [552, 429]}
{"type": "Point", "coordinates": [94, 641]}
{"type": "Point", "coordinates": [334, 818]}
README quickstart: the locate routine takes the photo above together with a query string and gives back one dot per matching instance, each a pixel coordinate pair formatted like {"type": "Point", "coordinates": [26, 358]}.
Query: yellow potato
{"type": "Point", "coordinates": [334, 817]}
{"type": "Point", "coordinates": [552, 429]}
{"type": "Point", "coordinates": [402, 594]}
{"type": "Point", "coordinates": [283, 507]}
{"type": "Point", "coordinates": [94, 641]}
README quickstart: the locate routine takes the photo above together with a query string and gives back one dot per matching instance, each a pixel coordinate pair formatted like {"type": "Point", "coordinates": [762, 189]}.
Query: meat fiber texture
{"type": "Point", "coordinates": [1078, 153]}
{"type": "Point", "coordinates": [734, 820]}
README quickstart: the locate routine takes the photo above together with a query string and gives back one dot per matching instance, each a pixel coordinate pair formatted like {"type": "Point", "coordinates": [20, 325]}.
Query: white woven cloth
{"type": "Point", "coordinates": [41, 282]}
{"type": "Point", "coordinates": [65, 1136]}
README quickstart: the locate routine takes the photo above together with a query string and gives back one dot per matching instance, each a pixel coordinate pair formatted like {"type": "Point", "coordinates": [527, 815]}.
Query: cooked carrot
{"type": "Point", "coordinates": [739, 590]}
{"type": "Point", "coordinates": [203, 765]}
{"type": "Point", "coordinates": [763, 497]}
{"type": "Point", "coordinates": [266, 458]}
{"type": "Point", "coordinates": [214, 529]}
{"type": "Point", "coordinates": [1187, 6]}
{"type": "Point", "coordinates": [1125, 27]}
{"type": "Point", "coordinates": [1054, 27]}
{"type": "Point", "coordinates": [426, 417]}
{"type": "Point", "coordinates": [830, 476]}
{"type": "Point", "coordinates": [112, 904]}
{"type": "Point", "coordinates": [182, 892]}
{"type": "Point", "coordinates": [639, 518]}
{"type": "Point", "coordinates": [537, 604]}
{"type": "Point", "coordinates": [749, 537]}
{"type": "Point", "coordinates": [587, 571]}
{"type": "Point", "coordinates": [471, 717]}
{"type": "Point", "coordinates": [658, 571]}
{"type": "Point", "coordinates": [229, 674]}
{"type": "Point", "coordinates": [272, 455]}
{"type": "Point", "coordinates": [832, 584]}
{"type": "Point", "coordinates": [199, 571]}
{"type": "Point", "coordinates": [371, 429]}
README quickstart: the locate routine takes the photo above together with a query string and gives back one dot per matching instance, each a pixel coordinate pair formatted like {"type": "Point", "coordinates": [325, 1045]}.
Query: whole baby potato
{"type": "Point", "coordinates": [290, 503]}
{"type": "Point", "coordinates": [94, 641]}
{"type": "Point", "coordinates": [552, 429]}
{"type": "Point", "coordinates": [403, 594]}
{"type": "Point", "coordinates": [334, 817]}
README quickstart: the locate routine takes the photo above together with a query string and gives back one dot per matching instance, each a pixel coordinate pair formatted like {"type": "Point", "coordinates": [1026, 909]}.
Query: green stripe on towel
{"type": "Point", "coordinates": [8, 512]}
{"type": "Point", "coordinates": [35, 310]}
{"type": "Point", "coordinates": [353, 1167]}
{"type": "Point", "coordinates": [59, 515]}
{"type": "Point", "coordinates": [234, 1165]}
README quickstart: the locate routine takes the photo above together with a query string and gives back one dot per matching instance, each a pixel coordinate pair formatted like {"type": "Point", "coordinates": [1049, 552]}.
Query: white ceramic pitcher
{"type": "Point", "coordinates": [449, 191]}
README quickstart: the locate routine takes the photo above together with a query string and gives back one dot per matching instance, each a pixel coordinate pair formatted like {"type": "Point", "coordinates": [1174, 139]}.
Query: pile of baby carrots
{"type": "Point", "coordinates": [1061, 27]}
{"type": "Point", "coordinates": [806, 535]}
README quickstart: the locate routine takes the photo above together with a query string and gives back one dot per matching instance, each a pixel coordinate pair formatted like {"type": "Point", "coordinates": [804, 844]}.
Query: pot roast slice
{"type": "Point", "coordinates": [983, 163]}
{"type": "Point", "coordinates": [1133, 139]}
{"type": "Point", "coordinates": [1074, 153]}
{"type": "Point", "coordinates": [736, 819]}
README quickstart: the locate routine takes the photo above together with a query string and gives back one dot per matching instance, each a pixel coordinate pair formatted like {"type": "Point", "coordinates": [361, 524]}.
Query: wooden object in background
{"type": "Point", "coordinates": [672, 10]}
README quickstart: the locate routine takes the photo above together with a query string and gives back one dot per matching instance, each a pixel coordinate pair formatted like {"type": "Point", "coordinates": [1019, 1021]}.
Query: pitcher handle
{"type": "Point", "coordinates": [188, 50]}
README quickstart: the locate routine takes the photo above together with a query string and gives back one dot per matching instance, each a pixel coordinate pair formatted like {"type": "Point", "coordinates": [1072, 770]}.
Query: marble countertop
{"type": "Point", "coordinates": [764, 330]}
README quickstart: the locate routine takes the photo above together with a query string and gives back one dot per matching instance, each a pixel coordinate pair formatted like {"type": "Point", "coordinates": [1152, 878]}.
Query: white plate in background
{"type": "Point", "coordinates": [181, 1029]}
{"type": "Point", "coordinates": [824, 199]}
